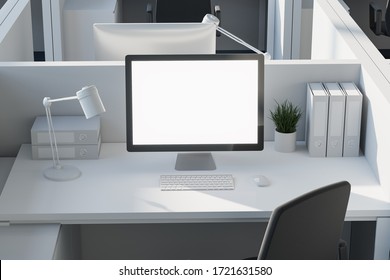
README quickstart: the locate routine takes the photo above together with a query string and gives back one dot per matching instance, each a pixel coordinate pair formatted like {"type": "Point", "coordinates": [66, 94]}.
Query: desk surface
{"type": "Point", "coordinates": [123, 187]}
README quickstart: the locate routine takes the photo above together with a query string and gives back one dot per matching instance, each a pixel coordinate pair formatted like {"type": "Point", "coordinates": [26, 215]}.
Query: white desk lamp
{"type": "Point", "coordinates": [209, 18]}
{"type": "Point", "coordinates": [92, 105]}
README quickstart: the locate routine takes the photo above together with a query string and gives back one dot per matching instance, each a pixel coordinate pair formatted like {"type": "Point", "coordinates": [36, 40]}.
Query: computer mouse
{"type": "Point", "coordinates": [261, 181]}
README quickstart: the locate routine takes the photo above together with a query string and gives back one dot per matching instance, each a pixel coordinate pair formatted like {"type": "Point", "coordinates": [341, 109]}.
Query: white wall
{"type": "Point", "coordinates": [16, 43]}
{"type": "Point", "coordinates": [328, 40]}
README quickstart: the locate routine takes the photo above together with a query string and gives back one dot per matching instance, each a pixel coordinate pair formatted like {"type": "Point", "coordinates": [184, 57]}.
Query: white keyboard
{"type": "Point", "coordinates": [196, 182]}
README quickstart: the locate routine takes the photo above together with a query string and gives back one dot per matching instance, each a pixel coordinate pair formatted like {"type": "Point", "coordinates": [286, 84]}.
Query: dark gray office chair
{"type": "Point", "coordinates": [308, 227]}
{"type": "Point", "coordinates": [378, 24]}
{"type": "Point", "coordinates": [181, 10]}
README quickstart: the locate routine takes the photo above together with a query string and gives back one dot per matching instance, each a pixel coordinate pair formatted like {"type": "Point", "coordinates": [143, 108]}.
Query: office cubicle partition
{"type": "Point", "coordinates": [283, 79]}
{"type": "Point", "coordinates": [336, 36]}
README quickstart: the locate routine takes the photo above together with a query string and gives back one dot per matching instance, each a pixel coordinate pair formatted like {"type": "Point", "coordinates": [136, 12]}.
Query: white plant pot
{"type": "Point", "coordinates": [285, 142]}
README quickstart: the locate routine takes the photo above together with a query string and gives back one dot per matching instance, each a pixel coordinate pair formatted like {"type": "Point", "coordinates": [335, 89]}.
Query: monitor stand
{"type": "Point", "coordinates": [194, 161]}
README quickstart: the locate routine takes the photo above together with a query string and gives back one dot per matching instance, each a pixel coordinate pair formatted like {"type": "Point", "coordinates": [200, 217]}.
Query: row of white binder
{"type": "Point", "coordinates": [333, 119]}
{"type": "Point", "coordinates": [76, 137]}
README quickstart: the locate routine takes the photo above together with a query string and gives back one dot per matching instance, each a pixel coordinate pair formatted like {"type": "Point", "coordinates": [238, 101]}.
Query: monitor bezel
{"type": "Point", "coordinates": [131, 147]}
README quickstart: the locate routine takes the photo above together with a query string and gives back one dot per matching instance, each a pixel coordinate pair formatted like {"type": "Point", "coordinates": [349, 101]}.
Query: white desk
{"type": "Point", "coordinates": [123, 187]}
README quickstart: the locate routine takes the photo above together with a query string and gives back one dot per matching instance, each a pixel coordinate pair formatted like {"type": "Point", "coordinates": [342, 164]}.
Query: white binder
{"type": "Point", "coordinates": [316, 119]}
{"type": "Point", "coordinates": [353, 114]}
{"type": "Point", "coordinates": [73, 151]}
{"type": "Point", "coordinates": [336, 117]}
{"type": "Point", "coordinates": [69, 130]}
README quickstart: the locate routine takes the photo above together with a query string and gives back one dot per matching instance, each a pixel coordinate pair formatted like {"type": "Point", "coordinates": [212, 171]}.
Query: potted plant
{"type": "Point", "coordinates": [285, 117]}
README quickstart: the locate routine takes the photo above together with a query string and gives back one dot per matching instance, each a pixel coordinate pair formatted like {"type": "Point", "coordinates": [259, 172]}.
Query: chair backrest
{"type": "Point", "coordinates": [182, 10]}
{"type": "Point", "coordinates": [308, 227]}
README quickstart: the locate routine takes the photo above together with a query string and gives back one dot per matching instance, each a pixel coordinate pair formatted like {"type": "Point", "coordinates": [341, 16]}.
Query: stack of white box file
{"type": "Point", "coordinates": [333, 119]}
{"type": "Point", "coordinates": [77, 137]}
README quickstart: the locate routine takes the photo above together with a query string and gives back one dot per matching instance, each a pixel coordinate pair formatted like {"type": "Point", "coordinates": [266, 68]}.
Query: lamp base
{"type": "Point", "coordinates": [62, 173]}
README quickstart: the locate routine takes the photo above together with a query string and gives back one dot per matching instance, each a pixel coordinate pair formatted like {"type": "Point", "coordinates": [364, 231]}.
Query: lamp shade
{"type": "Point", "coordinates": [90, 101]}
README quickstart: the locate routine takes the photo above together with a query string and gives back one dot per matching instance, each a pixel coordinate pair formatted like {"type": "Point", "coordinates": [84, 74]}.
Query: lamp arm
{"type": "Point", "coordinates": [52, 137]}
{"type": "Point", "coordinates": [49, 100]}
{"type": "Point", "coordinates": [238, 40]}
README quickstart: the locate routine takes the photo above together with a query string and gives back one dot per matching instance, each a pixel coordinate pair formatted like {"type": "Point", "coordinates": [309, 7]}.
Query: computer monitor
{"type": "Point", "coordinates": [195, 103]}
{"type": "Point", "coordinates": [113, 41]}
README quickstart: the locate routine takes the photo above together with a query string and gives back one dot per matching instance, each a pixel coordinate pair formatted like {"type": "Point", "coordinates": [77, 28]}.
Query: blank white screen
{"type": "Point", "coordinates": [195, 102]}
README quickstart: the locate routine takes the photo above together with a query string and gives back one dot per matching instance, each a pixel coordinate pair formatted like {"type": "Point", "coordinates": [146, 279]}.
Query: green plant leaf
{"type": "Point", "coordinates": [285, 116]}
